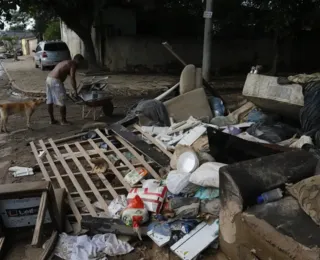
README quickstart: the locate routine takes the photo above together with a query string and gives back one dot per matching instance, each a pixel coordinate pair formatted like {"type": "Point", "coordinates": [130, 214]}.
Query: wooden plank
{"type": "Point", "coordinates": [153, 140]}
{"type": "Point", "coordinates": [81, 156]}
{"type": "Point", "coordinates": [104, 190]}
{"type": "Point", "coordinates": [74, 180]}
{"type": "Point", "coordinates": [53, 209]}
{"type": "Point", "coordinates": [36, 240]}
{"type": "Point", "coordinates": [23, 188]}
{"type": "Point", "coordinates": [60, 195]}
{"type": "Point", "coordinates": [90, 172]}
{"type": "Point", "coordinates": [55, 170]}
{"type": "Point", "coordinates": [100, 175]}
{"type": "Point", "coordinates": [110, 225]}
{"type": "Point", "coordinates": [50, 246]}
{"type": "Point", "coordinates": [111, 166]}
{"type": "Point", "coordinates": [158, 157]}
{"type": "Point", "coordinates": [85, 175]}
{"type": "Point", "coordinates": [2, 243]}
{"type": "Point", "coordinates": [116, 151]}
{"type": "Point", "coordinates": [139, 157]}
{"type": "Point", "coordinates": [39, 161]}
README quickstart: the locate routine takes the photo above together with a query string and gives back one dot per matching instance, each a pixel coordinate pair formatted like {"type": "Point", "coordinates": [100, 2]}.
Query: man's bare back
{"type": "Point", "coordinates": [55, 90]}
{"type": "Point", "coordinates": [62, 70]}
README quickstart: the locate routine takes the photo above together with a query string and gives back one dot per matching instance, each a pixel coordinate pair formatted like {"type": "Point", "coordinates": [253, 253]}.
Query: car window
{"type": "Point", "coordinates": [57, 46]}
{"type": "Point", "coordinates": [38, 48]}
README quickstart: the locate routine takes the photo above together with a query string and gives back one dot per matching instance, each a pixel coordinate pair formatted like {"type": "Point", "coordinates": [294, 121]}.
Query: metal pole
{"type": "Point", "coordinates": [206, 59]}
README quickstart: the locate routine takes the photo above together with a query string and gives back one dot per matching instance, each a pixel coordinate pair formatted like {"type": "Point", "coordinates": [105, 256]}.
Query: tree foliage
{"type": "Point", "coordinates": [52, 31]}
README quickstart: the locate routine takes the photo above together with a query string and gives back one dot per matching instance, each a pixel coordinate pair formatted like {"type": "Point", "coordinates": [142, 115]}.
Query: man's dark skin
{"type": "Point", "coordinates": [61, 72]}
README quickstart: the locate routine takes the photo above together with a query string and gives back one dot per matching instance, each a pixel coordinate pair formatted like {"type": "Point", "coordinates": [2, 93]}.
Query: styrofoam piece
{"type": "Point", "coordinates": [154, 130]}
{"type": "Point", "coordinates": [193, 135]}
{"type": "Point", "coordinates": [159, 239]}
{"type": "Point", "coordinates": [18, 171]}
{"type": "Point", "coordinates": [192, 244]}
{"type": "Point", "coordinates": [188, 162]}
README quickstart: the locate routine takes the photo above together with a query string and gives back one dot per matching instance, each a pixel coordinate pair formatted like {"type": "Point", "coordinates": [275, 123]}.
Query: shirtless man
{"type": "Point", "coordinates": [56, 92]}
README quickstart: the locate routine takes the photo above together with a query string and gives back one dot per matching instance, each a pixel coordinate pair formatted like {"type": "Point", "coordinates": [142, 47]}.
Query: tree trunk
{"type": "Point", "coordinates": [90, 54]}
{"type": "Point", "coordinates": [276, 45]}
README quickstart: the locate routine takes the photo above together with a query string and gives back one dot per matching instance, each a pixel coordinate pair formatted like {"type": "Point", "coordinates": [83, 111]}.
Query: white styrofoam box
{"type": "Point", "coordinates": [265, 92]}
{"type": "Point", "coordinates": [192, 244]}
{"type": "Point", "coordinates": [21, 212]}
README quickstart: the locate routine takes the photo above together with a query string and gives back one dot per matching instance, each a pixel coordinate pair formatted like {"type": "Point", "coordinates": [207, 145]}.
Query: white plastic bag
{"type": "Point", "coordinates": [207, 175]}
{"type": "Point", "coordinates": [178, 182]}
{"type": "Point", "coordinates": [151, 184]}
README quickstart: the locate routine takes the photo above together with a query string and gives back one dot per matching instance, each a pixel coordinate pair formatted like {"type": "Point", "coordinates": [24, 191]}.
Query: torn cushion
{"type": "Point", "coordinates": [307, 192]}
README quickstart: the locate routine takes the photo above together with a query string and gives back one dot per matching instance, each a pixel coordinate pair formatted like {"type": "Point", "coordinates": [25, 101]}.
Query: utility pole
{"type": "Point", "coordinates": [206, 58]}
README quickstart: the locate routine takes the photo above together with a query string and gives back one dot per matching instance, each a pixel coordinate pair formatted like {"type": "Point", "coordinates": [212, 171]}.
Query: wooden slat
{"type": "Point", "coordinates": [75, 182]}
{"type": "Point", "coordinates": [24, 188]}
{"type": "Point", "coordinates": [104, 190]}
{"type": "Point", "coordinates": [124, 167]}
{"type": "Point", "coordinates": [36, 240]}
{"type": "Point", "coordinates": [41, 165]}
{"type": "Point", "coordinates": [138, 143]}
{"type": "Point", "coordinates": [115, 150]}
{"type": "Point", "coordinates": [73, 206]}
{"type": "Point", "coordinates": [88, 180]}
{"type": "Point", "coordinates": [111, 166]}
{"type": "Point", "coordinates": [100, 175]}
{"type": "Point", "coordinates": [50, 246]}
{"type": "Point", "coordinates": [139, 157]}
{"type": "Point", "coordinates": [81, 156]}
{"type": "Point", "coordinates": [153, 140]}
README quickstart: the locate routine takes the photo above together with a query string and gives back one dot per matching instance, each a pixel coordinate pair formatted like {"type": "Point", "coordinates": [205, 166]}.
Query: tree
{"type": "Point", "coordinates": [18, 20]}
{"type": "Point", "coordinates": [78, 15]}
{"type": "Point", "coordinates": [283, 18]}
{"type": "Point", "coordinates": [10, 44]}
{"type": "Point", "coordinates": [52, 31]}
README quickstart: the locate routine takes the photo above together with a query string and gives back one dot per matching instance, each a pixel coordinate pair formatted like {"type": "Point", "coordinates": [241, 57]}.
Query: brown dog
{"type": "Point", "coordinates": [27, 107]}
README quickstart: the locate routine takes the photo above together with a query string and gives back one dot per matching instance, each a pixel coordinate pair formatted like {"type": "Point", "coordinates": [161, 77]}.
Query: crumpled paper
{"type": "Point", "coordinates": [95, 248]}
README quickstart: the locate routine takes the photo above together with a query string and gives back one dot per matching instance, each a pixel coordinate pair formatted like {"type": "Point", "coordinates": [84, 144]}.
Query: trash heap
{"type": "Point", "coordinates": [164, 172]}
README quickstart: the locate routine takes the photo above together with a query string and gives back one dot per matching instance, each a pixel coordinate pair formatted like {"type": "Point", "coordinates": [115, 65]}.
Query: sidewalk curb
{"type": "Point", "coordinates": [17, 88]}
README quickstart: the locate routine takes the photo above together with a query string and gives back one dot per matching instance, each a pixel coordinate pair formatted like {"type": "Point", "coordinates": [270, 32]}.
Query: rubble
{"type": "Point", "coordinates": [195, 171]}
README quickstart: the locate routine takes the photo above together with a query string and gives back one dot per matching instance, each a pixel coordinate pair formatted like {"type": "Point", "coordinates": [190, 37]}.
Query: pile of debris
{"type": "Point", "coordinates": [188, 162]}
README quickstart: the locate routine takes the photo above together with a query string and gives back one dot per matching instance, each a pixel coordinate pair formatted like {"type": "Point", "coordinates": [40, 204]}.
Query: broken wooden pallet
{"type": "Point", "coordinates": [69, 166]}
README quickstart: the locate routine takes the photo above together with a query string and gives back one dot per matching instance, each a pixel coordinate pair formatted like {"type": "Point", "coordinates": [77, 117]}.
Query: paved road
{"type": "Point", "coordinates": [32, 80]}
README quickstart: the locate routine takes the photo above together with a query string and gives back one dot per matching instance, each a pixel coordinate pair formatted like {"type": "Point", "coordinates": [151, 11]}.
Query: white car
{"type": "Point", "coordinates": [50, 53]}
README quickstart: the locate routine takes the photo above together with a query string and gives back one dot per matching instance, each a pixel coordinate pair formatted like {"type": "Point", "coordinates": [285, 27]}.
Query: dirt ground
{"type": "Point", "coordinates": [16, 152]}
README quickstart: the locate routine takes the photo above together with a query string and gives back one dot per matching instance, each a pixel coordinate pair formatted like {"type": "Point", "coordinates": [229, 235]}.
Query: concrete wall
{"type": "Point", "coordinates": [146, 54]}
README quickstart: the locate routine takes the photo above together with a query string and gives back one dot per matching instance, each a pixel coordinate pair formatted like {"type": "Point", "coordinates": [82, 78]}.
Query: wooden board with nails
{"type": "Point", "coordinates": [70, 165]}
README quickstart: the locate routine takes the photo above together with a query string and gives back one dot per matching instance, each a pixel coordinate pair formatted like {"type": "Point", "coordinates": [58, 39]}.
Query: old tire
{"type": "Point", "coordinates": [108, 108]}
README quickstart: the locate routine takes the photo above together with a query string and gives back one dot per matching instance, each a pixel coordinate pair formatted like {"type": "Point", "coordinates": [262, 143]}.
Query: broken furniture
{"type": "Point", "coordinates": [27, 205]}
{"type": "Point", "coordinates": [228, 148]}
{"type": "Point", "coordinates": [69, 166]}
{"type": "Point", "coordinates": [193, 103]}
{"type": "Point", "coordinates": [278, 230]}
{"type": "Point", "coordinates": [266, 93]}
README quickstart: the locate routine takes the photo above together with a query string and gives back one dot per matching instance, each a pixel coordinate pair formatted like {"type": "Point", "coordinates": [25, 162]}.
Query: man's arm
{"type": "Point", "coordinates": [73, 78]}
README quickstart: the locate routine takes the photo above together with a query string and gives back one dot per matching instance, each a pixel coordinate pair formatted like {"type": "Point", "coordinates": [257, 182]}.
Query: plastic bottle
{"type": "Point", "coordinates": [217, 106]}
{"type": "Point", "coordinates": [270, 196]}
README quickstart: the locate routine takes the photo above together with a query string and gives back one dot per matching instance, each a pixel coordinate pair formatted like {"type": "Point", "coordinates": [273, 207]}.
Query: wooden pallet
{"type": "Point", "coordinates": [69, 166]}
